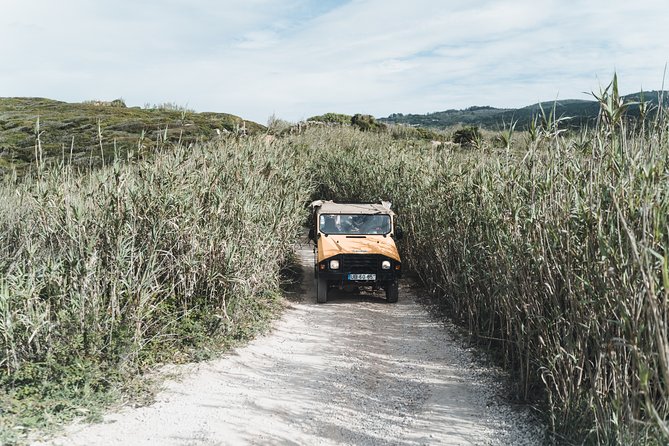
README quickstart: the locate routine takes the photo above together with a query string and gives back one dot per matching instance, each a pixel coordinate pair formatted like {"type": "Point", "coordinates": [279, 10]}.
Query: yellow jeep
{"type": "Point", "coordinates": [355, 246]}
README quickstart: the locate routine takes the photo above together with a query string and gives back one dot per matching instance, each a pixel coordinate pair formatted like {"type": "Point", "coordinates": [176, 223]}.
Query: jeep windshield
{"type": "Point", "coordinates": [354, 224]}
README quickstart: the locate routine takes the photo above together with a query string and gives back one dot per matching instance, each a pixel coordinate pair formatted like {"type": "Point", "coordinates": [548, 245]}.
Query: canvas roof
{"type": "Point", "coordinates": [330, 207]}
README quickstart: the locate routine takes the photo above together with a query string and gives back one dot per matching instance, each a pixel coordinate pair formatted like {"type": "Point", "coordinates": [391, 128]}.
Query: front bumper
{"type": "Point", "coordinates": [359, 264]}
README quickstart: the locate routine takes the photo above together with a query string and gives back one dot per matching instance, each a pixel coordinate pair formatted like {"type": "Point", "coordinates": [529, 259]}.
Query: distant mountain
{"type": "Point", "coordinates": [579, 111]}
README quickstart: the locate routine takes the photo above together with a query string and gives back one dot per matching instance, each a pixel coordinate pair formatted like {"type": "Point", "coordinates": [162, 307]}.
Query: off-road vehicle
{"type": "Point", "coordinates": [355, 247]}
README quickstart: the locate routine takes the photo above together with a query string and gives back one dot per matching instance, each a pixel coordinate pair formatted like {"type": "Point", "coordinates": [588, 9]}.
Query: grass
{"type": "Point", "coordinates": [106, 273]}
{"type": "Point", "coordinates": [551, 250]}
{"type": "Point", "coordinates": [550, 247]}
{"type": "Point", "coordinates": [85, 128]}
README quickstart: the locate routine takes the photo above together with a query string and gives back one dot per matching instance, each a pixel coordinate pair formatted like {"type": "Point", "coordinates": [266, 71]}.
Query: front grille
{"type": "Point", "coordinates": [360, 263]}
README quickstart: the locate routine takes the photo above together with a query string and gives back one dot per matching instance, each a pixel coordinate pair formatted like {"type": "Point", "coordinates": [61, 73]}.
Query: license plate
{"type": "Point", "coordinates": [362, 277]}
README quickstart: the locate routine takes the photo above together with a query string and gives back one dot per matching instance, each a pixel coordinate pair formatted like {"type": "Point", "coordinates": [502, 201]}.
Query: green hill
{"type": "Point", "coordinates": [89, 128]}
{"type": "Point", "coordinates": [579, 111]}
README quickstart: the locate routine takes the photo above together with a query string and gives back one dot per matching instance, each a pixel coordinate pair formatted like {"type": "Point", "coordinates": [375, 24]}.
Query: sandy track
{"type": "Point", "coordinates": [353, 371]}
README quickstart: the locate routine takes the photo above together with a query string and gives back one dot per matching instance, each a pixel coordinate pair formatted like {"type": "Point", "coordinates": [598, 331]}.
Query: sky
{"type": "Point", "coordinates": [293, 59]}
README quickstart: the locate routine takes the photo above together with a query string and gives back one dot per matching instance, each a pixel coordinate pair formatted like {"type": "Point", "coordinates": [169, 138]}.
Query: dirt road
{"type": "Point", "coordinates": [353, 371]}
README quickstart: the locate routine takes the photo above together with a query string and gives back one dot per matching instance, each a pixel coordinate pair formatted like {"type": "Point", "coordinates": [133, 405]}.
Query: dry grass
{"type": "Point", "coordinates": [553, 249]}
{"type": "Point", "coordinates": [105, 273]}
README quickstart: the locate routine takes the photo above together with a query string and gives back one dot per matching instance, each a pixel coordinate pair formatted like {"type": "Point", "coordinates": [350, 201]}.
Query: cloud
{"type": "Point", "coordinates": [303, 57]}
{"type": "Point", "coordinates": [258, 40]}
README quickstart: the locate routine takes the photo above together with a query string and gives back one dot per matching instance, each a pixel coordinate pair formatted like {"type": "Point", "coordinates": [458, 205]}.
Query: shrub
{"type": "Point", "coordinates": [332, 118]}
{"type": "Point", "coordinates": [366, 123]}
{"type": "Point", "coordinates": [117, 103]}
{"type": "Point", "coordinates": [277, 126]}
{"type": "Point", "coordinates": [400, 131]}
{"type": "Point", "coordinates": [467, 136]}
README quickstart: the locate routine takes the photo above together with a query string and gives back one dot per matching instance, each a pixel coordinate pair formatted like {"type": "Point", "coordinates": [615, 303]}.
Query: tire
{"type": "Point", "coordinates": [392, 292]}
{"type": "Point", "coordinates": [321, 290]}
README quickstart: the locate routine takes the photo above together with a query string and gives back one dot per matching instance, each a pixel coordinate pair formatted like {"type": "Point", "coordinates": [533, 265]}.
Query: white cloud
{"type": "Point", "coordinates": [303, 57]}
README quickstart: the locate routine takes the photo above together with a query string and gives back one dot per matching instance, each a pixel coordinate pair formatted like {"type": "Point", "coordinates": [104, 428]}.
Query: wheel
{"type": "Point", "coordinates": [321, 290]}
{"type": "Point", "coordinates": [392, 292]}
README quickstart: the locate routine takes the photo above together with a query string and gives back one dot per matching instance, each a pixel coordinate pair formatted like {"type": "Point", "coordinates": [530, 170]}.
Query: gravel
{"type": "Point", "coordinates": [353, 371]}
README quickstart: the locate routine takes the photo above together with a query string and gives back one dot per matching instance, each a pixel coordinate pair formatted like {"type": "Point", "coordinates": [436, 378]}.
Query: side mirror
{"type": "Point", "coordinates": [399, 233]}
{"type": "Point", "coordinates": [312, 235]}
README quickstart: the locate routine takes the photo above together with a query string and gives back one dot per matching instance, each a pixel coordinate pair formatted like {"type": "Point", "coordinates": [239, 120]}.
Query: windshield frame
{"type": "Point", "coordinates": [347, 227]}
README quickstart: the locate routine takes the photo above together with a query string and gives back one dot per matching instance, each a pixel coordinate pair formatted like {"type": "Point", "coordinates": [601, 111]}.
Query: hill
{"type": "Point", "coordinates": [91, 127]}
{"type": "Point", "coordinates": [579, 111]}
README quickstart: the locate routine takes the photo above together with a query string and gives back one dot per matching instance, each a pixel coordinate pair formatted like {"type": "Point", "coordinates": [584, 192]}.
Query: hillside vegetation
{"type": "Point", "coordinates": [549, 247]}
{"type": "Point", "coordinates": [85, 131]}
{"type": "Point", "coordinates": [579, 113]}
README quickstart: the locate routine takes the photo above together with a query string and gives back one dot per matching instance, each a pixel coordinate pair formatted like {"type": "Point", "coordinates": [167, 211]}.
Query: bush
{"type": "Point", "coordinates": [118, 103]}
{"type": "Point", "coordinates": [277, 126]}
{"type": "Point", "coordinates": [366, 123]}
{"type": "Point", "coordinates": [401, 131]}
{"type": "Point", "coordinates": [467, 136]}
{"type": "Point", "coordinates": [332, 118]}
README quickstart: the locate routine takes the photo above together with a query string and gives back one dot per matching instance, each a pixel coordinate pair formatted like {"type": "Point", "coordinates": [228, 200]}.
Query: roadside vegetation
{"type": "Point", "coordinates": [549, 246]}
{"type": "Point", "coordinates": [108, 273]}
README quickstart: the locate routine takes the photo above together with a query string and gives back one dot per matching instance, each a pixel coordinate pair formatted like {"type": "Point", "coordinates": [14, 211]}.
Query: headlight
{"type": "Point", "coordinates": [334, 264]}
{"type": "Point", "coordinates": [385, 264]}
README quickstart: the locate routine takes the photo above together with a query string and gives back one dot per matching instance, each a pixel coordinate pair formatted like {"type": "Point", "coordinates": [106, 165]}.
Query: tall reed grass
{"type": "Point", "coordinates": [105, 273]}
{"type": "Point", "coordinates": [554, 251]}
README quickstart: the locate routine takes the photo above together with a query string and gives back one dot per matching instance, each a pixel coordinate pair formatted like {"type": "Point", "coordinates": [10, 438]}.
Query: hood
{"type": "Point", "coordinates": [370, 244]}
